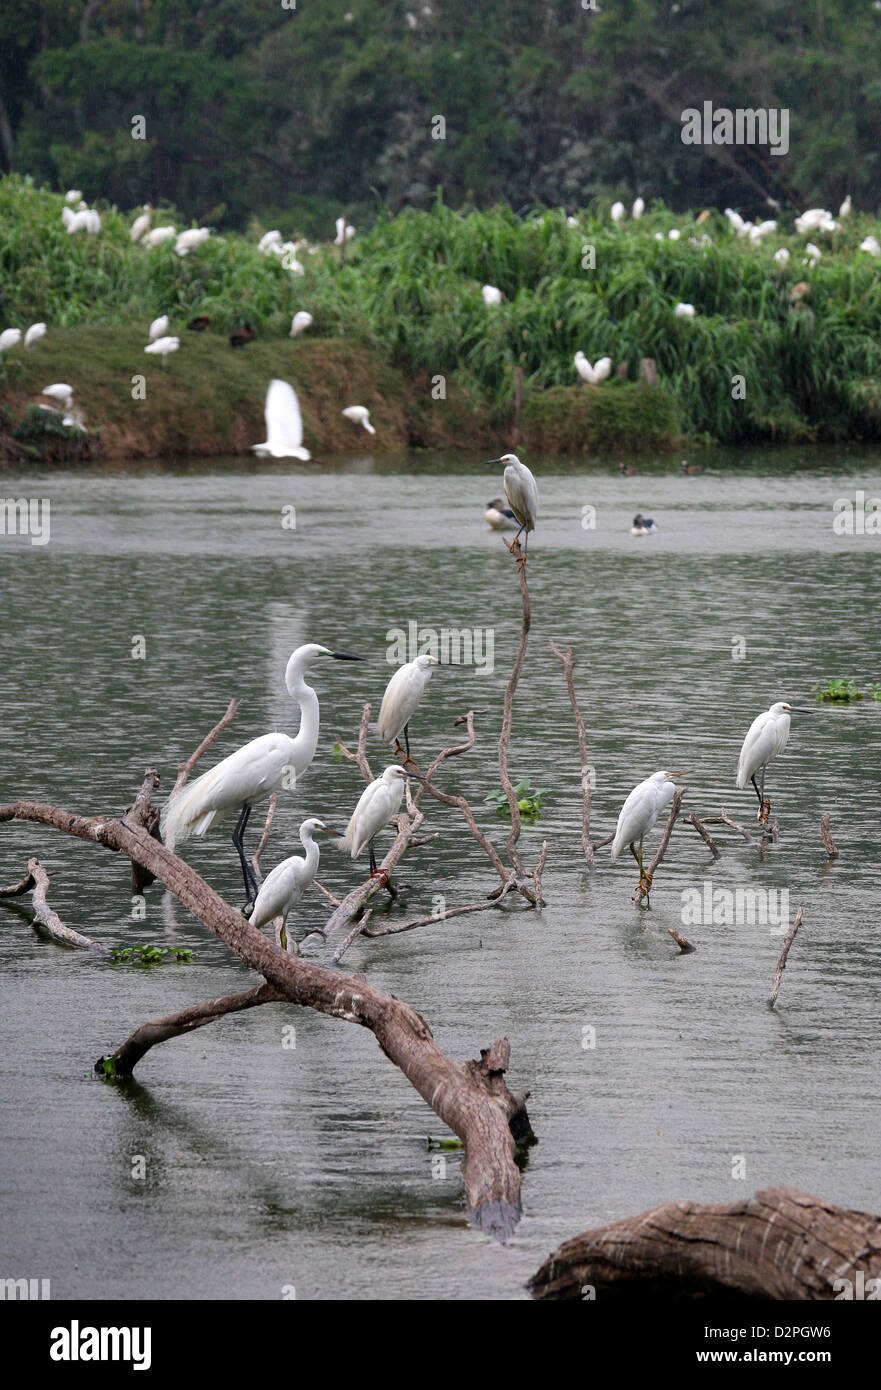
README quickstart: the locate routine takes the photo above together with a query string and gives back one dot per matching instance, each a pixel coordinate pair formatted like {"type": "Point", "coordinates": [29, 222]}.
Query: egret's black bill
{"type": "Point", "coordinates": [490, 463]}
{"type": "Point", "coordinates": [344, 656]}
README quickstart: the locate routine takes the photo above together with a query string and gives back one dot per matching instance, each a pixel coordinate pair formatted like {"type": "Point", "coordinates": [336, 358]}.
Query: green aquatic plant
{"type": "Point", "coordinates": [150, 955]}
{"type": "Point", "coordinates": [529, 800]}
{"type": "Point", "coordinates": [839, 690]}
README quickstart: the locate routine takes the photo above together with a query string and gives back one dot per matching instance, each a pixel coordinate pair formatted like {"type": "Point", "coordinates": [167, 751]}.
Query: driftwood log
{"type": "Point", "coordinates": [779, 1244]}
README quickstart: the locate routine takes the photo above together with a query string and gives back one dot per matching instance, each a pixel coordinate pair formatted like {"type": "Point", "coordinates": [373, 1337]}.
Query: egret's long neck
{"type": "Point", "coordinates": [312, 852]}
{"type": "Point", "coordinates": [306, 740]}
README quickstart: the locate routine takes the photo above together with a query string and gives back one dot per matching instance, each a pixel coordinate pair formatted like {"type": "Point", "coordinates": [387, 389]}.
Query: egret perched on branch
{"type": "Point", "coordinates": [768, 735]}
{"type": "Point", "coordinates": [521, 491]}
{"type": "Point", "coordinates": [359, 415]}
{"type": "Point", "coordinates": [253, 772]}
{"type": "Point", "coordinates": [284, 424]}
{"type": "Point", "coordinates": [639, 813]}
{"type": "Point", "coordinates": [380, 802]}
{"type": "Point", "coordinates": [500, 517]}
{"type": "Point", "coordinates": [286, 884]}
{"type": "Point", "coordinates": [402, 695]}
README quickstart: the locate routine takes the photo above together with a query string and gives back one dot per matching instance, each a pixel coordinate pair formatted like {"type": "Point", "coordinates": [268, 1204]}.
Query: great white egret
{"type": "Point", "coordinates": [34, 334]}
{"type": "Point", "coordinates": [300, 322]}
{"type": "Point", "coordinates": [768, 735]}
{"type": "Point", "coordinates": [254, 771]}
{"type": "Point", "coordinates": [593, 374]}
{"type": "Point", "coordinates": [286, 884]}
{"type": "Point", "coordinates": [379, 803]}
{"type": "Point", "coordinates": [142, 223]}
{"type": "Point", "coordinates": [284, 424]}
{"type": "Point", "coordinates": [190, 239]}
{"type": "Point", "coordinates": [402, 695]}
{"type": "Point", "coordinates": [642, 525]}
{"type": "Point", "coordinates": [500, 517]}
{"type": "Point", "coordinates": [9, 338]}
{"type": "Point", "coordinates": [359, 415]}
{"type": "Point", "coordinates": [491, 295]}
{"type": "Point", "coordinates": [158, 328]}
{"type": "Point", "coordinates": [521, 491]}
{"type": "Point", "coordinates": [163, 347]}
{"type": "Point", "coordinates": [639, 813]}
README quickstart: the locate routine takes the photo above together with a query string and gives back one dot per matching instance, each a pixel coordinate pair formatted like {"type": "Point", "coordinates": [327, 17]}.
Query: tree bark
{"type": "Point", "coordinates": [778, 1244]}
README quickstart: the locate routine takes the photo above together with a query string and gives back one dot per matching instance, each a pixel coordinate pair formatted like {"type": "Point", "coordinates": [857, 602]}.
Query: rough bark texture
{"type": "Point", "coordinates": [779, 1244]}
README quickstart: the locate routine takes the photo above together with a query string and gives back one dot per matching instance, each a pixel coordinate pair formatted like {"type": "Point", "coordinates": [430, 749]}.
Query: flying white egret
{"type": "Point", "coordinates": [162, 347]}
{"type": "Point", "coordinates": [402, 695]}
{"type": "Point", "coordinates": [359, 415]}
{"type": "Point", "coordinates": [592, 373]}
{"type": "Point", "coordinates": [158, 328]}
{"type": "Point", "coordinates": [9, 338]}
{"type": "Point", "coordinates": [188, 241]}
{"type": "Point", "coordinates": [300, 322]}
{"type": "Point", "coordinates": [642, 525]}
{"type": "Point", "coordinates": [284, 424]}
{"type": "Point", "coordinates": [286, 884]}
{"type": "Point", "coordinates": [684, 311]}
{"type": "Point", "coordinates": [158, 235]}
{"type": "Point", "coordinates": [380, 802]}
{"type": "Point", "coordinates": [767, 737]}
{"type": "Point", "coordinates": [34, 334]}
{"type": "Point", "coordinates": [521, 491]}
{"type": "Point", "coordinates": [60, 391]}
{"type": "Point", "coordinates": [500, 517]}
{"type": "Point", "coordinates": [639, 813]}
{"type": "Point", "coordinates": [617, 213]}
{"type": "Point", "coordinates": [491, 295]}
{"type": "Point", "coordinates": [254, 771]}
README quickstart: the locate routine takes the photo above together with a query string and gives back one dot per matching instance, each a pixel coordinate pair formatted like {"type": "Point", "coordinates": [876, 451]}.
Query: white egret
{"type": "Point", "coordinates": [254, 771]}
{"type": "Point", "coordinates": [34, 334]}
{"type": "Point", "coordinates": [380, 802]}
{"type": "Point", "coordinates": [402, 695]}
{"type": "Point", "coordinates": [163, 347]}
{"type": "Point", "coordinates": [768, 735]}
{"type": "Point", "coordinates": [158, 235]}
{"type": "Point", "coordinates": [872, 245]}
{"type": "Point", "coordinates": [592, 373]}
{"type": "Point", "coordinates": [287, 883]}
{"type": "Point", "coordinates": [638, 209]}
{"type": "Point", "coordinates": [359, 415]}
{"type": "Point", "coordinates": [9, 338]}
{"type": "Point", "coordinates": [491, 295]}
{"type": "Point", "coordinates": [300, 322]}
{"type": "Point", "coordinates": [73, 195]}
{"type": "Point", "coordinates": [188, 241]}
{"type": "Point", "coordinates": [639, 813]}
{"type": "Point", "coordinates": [781, 256]}
{"type": "Point", "coordinates": [60, 391]}
{"type": "Point", "coordinates": [617, 213]}
{"type": "Point", "coordinates": [158, 328]}
{"type": "Point", "coordinates": [500, 517]}
{"type": "Point", "coordinates": [642, 525]}
{"type": "Point", "coordinates": [684, 311]}
{"type": "Point", "coordinates": [521, 491]}
{"type": "Point", "coordinates": [284, 424]}
{"type": "Point", "coordinates": [269, 241]}
{"type": "Point", "coordinates": [344, 231]}
{"type": "Point", "coordinates": [67, 214]}
{"type": "Point", "coordinates": [846, 207]}
{"type": "Point", "coordinates": [142, 223]}
{"type": "Point", "coordinates": [674, 234]}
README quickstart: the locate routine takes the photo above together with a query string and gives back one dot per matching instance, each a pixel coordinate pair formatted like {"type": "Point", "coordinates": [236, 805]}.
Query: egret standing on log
{"type": "Point", "coordinates": [521, 491]}
{"type": "Point", "coordinates": [639, 813]}
{"type": "Point", "coordinates": [379, 803]}
{"type": "Point", "coordinates": [253, 772]}
{"type": "Point", "coordinates": [286, 884]}
{"type": "Point", "coordinates": [768, 735]}
{"type": "Point", "coordinates": [402, 695]}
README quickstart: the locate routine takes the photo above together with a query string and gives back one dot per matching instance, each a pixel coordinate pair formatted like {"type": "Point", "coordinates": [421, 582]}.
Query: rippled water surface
{"type": "Point", "coordinates": [268, 1167]}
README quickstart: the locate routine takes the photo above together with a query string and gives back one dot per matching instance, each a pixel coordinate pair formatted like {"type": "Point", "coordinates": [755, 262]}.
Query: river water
{"type": "Point", "coordinates": [654, 1076]}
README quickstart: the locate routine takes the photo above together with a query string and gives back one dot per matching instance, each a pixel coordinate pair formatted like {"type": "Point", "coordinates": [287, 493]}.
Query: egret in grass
{"type": "Point", "coordinates": [190, 239]}
{"type": "Point", "coordinates": [380, 802]}
{"type": "Point", "coordinates": [60, 391]}
{"type": "Point", "coordinates": [768, 735]}
{"type": "Point", "coordinates": [491, 295]}
{"type": "Point", "coordinates": [684, 311]}
{"type": "Point", "coordinates": [300, 322]}
{"type": "Point", "coordinates": [617, 213]}
{"type": "Point", "coordinates": [642, 525]}
{"type": "Point", "coordinates": [9, 338]}
{"type": "Point", "coordinates": [158, 235]}
{"type": "Point", "coordinates": [359, 415]}
{"type": "Point", "coordinates": [269, 241]}
{"type": "Point", "coordinates": [499, 516]}
{"type": "Point", "coordinates": [284, 424]}
{"type": "Point", "coordinates": [34, 334]}
{"type": "Point", "coordinates": [142, 223]}
{"type": "Point", "coordinates": [73, 195]}
{"type": "Point", "coordinates": [521, 491]}
{"type": "Point", "coordinates": [402, 695]}
{"type": "Point", "coordinates": [639, 813]}
{"type": "Point", "coordinates": [290, 880]}
{"type": "Point", "coordinates": [638, 209]}
{"type": "Point", "coordinates": [254, 771]}
{"type": "Point", "coordinates": [163, 347]}
{"type": "Point", "coordinates": [344, 231]}
{"type": "Point", "coordinates": [593, 374]}
{"type": "Point", "coordinates": [158, 328]}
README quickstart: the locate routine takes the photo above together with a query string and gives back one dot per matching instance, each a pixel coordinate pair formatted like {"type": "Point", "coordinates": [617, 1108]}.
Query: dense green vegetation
{"type": "Point", "coordinates": [775, 351]}
{"type": "Point", "coordinates": [300, 109]}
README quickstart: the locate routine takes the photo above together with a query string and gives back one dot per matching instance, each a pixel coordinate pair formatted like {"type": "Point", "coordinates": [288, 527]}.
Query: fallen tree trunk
{"type": "Point", "coordinates": [476, 1105]}
{"type": "Point", "coordinates": [779, 1244]}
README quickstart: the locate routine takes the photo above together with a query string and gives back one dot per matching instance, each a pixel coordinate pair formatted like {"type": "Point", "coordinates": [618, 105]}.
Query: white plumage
{"type": "Point", "coordinates": [359, 415]}
{"type": "Point", "coordinates": [284, 424]}
{"type": "Point", "coordinates": [34, 334]}
{"type": "Point", "coordinates": [593, 374]}
{"type": "Point", "coordinates": [9, 338]}
{"type": "Point", "coordinates": [60, 391]}
{"type": "Point", "coordinates": [142, 223]}
{"type": "Point", "coordinates": [188, 241]}
{"type": "Point", "coordinates": [158, 235]}
{"type": "Point", "coordinates": [491, 295]}
{"type": "Point", "coordinates": [617, 213]}
{"type": "Point", "coordinates": [641, 809]}
{"type": "Point", "coordinates": [521, 491]}
{"type": "Point", "coordinates": [300, 322]}
{"type": "Point", "coordinates": [283, 888]}
{"type": "Point", "coordinates": [379, 803]}
{"type": "Point", "coordinates": [402, 695]}
{"type": "Point", "coordinates": [767, 737]}
{"type": "Point", "coordinates": [158, 328]}
{"type": "Point", "coordinates": [162, 347]}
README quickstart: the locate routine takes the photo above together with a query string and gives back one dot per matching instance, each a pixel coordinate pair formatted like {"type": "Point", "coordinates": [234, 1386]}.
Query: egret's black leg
{"type": "Point", "coordinates": [758, 793]}
{"type": "Point", "coordinates": [372, 858]}
{"type": "Point", "coordinates": [238, 840]}
{"type": "Point", "coordinates": [407, 742]}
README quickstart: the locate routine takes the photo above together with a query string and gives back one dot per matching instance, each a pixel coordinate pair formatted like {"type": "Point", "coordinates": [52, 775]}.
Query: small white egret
{"type": "Point", "coordinates": [359, 415]}
{"type": "Point", "coordinates": [142, 223]}
{"type": "Point", "coordinates": [500, 517]}
{"type": "Point", "coordinates": [158, 328]}
{"type": "Point", "coordinates": [67, 215]}
{"type": "Point", "coordinates": [344, 231]}
{"type": "Point", "coordinates": [158, 235]}
{"type": "Point", "coordinates": [286, 884]}
{"type": "Point", "coordinates": [592, 373]}
{"type": "Point", "coordinates": [521, 491]}
{"type": "Point", "coordinates": [380, 802]}
{"type": "Point", "coordinates": [846, 207]}
{"type": "Point", "coordinates": [638, 209]}
{"type": "Point", "coordinates": [254, 771]}
{"type": "Point", "coordinates": [642, 525]}
{"type": "Point", "coordinates": [872, 245]}
{"type": "Point", "coordinates": [300, 322]}
{"type": "Point", "coordinates": [190, 239]}
{"type": "Point", "coordinates": [639, 813]}
{"type": "Point", "coordinates": [674, 234]}
{"type": "Point", "coordinates": [9, 338]}
{"type": "Point", "coordinates": [684, 311]}
{"type": "Point", "coordinates": [34, 334]}
{"type": "Point", "coordinates": [60, 391]}
{"type": "Point", "coordinates": [491, 295]}
{"type": "Point", "coordinates": [767, 737]}
{"type": "Point", "coordinates": [73, 195]}
{"type": "Point", "coordinates": [781, 256]}
{"type": "Point", "coordinates": [617, 213]}
{"type": "Point", "coordinates": [284, 424]}
{"type": "Point", "coordinates": [163, 347]}
{"type": "Point", "coordinates": [268, 241]}
{"type": "Point", "coordinates": [402, 695]}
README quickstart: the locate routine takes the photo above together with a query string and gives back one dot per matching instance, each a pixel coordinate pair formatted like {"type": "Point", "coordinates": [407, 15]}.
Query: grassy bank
{"type": "Point", "coordinates": [776, 352]}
